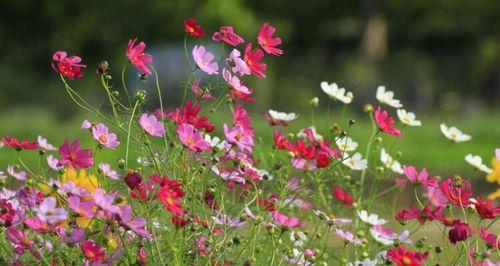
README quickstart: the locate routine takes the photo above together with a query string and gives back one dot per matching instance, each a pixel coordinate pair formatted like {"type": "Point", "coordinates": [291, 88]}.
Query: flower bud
{"type": "Point", "coordinates": [140, 96]}
{"type": "Point", "coordinates": [457, 181]}
{"type": "Point", "coordinates": [368, 108]}
{"type": "Point", "coordinates": [116, 93]}
{"type": "Point", "coordinates": [103, 67]}
{"type": "Point", "coordinates": [314, 102]}
{"type": "Point", "coordinates": [121, 163]}
{"type": "Point", "coordinates": [438, 249]}
{"type": "Point", "coordinates": [352, 122]}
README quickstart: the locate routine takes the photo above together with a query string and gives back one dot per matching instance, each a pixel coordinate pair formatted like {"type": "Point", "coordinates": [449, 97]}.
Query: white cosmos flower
{"type": "Point", "coordinates": [355, 162]}
{"type": "Point", "coordinates": [346, 144]}
{"type": "Point", "coordinates": [298, 238]}
{"type": "Point", "coordinates": [335, 92]}
{"type": "Point", "coordinates": [365, 262]}
{"type": "Point", "coordinates": [370, 218]}
{"type": "Point", "coordinates": [387, 97]}
{"type": "Point", "coordinates": [316, 135]}
{"type": "Point", "coordinates": [215, 142]}
{"type": "Point", "coordinates": [408, 118]}
{"type": "Point", "coordinates": [280, 116]}
{"type": "Point", "coordinates": [454, 133]}
{"type": "Point", "coordinates": [477, 162]}
{"type": "Point", "coordinates": [390, 163]}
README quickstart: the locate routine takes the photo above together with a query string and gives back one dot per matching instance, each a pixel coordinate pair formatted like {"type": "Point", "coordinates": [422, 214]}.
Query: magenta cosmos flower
{"type": "Point", "coordinates": [227, 35]}
{"type": "Point", "coordinates": [286, 221]}
{"type": "Point", "coordinates": [151, 125]}
{"type": "Point", "coordinates": [69, 67]}
{"type": "Point", "coordinates": [386, 123]}
{"type": "Point", "coordinates": [421, 178]}
{"type": "Point", "coordinates": [191, 138]}
{"type": "Point", "coordinates": [101, 133]}
{"type": "Point", "coordinates": [267, 41]}
{"type": "Point", "coordinates": [137, 57]}
{"type": "Point", "coordinates": [204, 60]}
{"type": "Point", "coordinates": [72, 156]}
{"type": "Point", "coordinates": [48, 212]}
{"type": "Point", "coordinates": [252, 58]}
{"type": "Point", "coordinates": [237, 135]}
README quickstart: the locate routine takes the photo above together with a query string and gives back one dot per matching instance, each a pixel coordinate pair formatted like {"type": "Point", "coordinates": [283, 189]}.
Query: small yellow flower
{"type": "Point", "coordinates": [494, 195]}
{"type": "Point", "coordinates": [495, 174]}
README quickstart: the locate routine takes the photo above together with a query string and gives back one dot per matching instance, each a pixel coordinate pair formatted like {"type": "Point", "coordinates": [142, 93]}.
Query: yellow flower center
{"type": "Point", "coordinates": [103, 139]}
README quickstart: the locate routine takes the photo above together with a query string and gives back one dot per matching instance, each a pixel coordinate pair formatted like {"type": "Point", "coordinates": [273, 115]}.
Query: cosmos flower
{"type": "Point", "coordinates": [346, 144]}
{"type": "Point", "coordinates": [20, 145]}
{"type": "Point", "coordinates": [401, 257]}
{"type": "Point", "coordinates": [372, 219]}
{"type": "Point", "coordinates": [334, 92]}
{"type": "Point", "coordinates": [267, 41]}
{"type": "Point", "coordinates": [252, 58]}
{"type": "Point", "coordinates": [387, 97]}
{"type": "Point", "coordinates": [494, 176]}
{"type": "Point", "coordinates": [237, 64]}
{"type": "Point", "coordinates": [191, 138]}
{"type": "Point", "coordinates": [279, 118]}
{"type": "Point", "coordinates": [389, 162]}
{"type": "Point", "coordinates": [204, 60]}
{"type": "Point", "coordinates": [454, 133]}
{"type": "Point", "coordinates": [199, 92]}
{"type": "Point", "coordinates": [348, 236]}
{"type": "Point", "coordinates": [48, 212]}
{"type": "Point", "coordinates": [421, 178]}
{"type": "Point", "coordinates": [107, 171]}
{"type": "Point", "coordinates": [74, 157]}
{"type": "Point", "coordinates": [237, 135]}
{"type": "Point", "coordinates": [386, 123]}
{"type": "Point", "coordinates": [192, 28]}
{"type": "Point", "coordinates": [227, 35]}
{"type": "Point", "coordinates": [459, 232]}
{"type": "Point", "coordinates": [92, 251]}
{"type": "Point", "coordinates": [21, 175]}
{"type": "Point", "coordinates": [151, 125]}
{"type": "Point", "coordinates": [286, 221]}
{"type": "Point", "coordinates": [477, 162]}
{"type": "Point", "coordinates": [101, 133]}
{"type": "Point", "coordinates": [44, 144]}
{"type": "Point", "coordinates": [137, 57]}
{"type": "Point", "coordinates": [68, 67]}
{"type": "Point", "coordinates": [355, 162]}
{"type": "Point", "coordinates": [408, 118]}
{"type": "Point", "coordinates": [225, 220]}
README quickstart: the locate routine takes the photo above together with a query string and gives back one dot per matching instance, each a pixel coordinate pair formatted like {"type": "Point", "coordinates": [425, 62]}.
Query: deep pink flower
{"type": "Point", "coordinates": [457, 191]}
{"type": "Point", "coordinates": [401, 257]}
{"type": "Point", "coordinates": [486, 209]}
{"type": "Point", "coordinates": [191, 138]}
{"type": "Point", "coordinates": [192, 28]}
{"type": "Point", "coordinates": [20, 145]}
{"type": "Point", "coordinates": [490, 239]}
{"type": "Point", "coordinates": [252, 58]}
{"type": "Point", "coordinates": [286, 221]}
{"type": "Point", "coordinates": [386, 123]}
{"type": "Point", "coordinates": [72, 156]}
{"type": "Point", "coordinates": [69, 67]}
{"type": "Point", "coordinates": [267, 41]}
{"type": "Point", "coordinates": [421, 178]}
{"type": "Point", "coordinates": [459, 232]}
{"type": "Point", "coordinates": [343, 196]}
{"type": "Point", "coordinates": [151, 125]}
{"type": "Point", "coordinates": [137, 57]}
{"type": "Point", "coordinates": [426, 214]}
{"type": "Point", "coordinates": [189, 114]}
{"type": "Point", "coordinates": [19, 239]}
{"type": "Point", "coordinates": [197, 90]}
{"type": "Point", "coordinates": [227, 35]}
{"type": "Point", "coordinates": [237, 135]}
{"type": "Point", "coordinates": [101, 133]}
{"type": "Point", "coordinates": [93, 251]}
{"type": "Point", "coordinates": [205, 60]}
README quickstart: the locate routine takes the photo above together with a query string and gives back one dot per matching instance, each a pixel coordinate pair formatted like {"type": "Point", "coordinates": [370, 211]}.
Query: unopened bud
{"type": "Point", "coordinates": [314, 102]}
{"type": "Point", "coordinates": [140, 96]}
{"type": "Point", "coordinates": [368, 108]}
{"type": "Point", "coordinates": [352, 122]}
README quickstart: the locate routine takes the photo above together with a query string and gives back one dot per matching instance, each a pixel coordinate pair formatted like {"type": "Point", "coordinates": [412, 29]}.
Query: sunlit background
{"type": "Point", "coordinates": [442, 59]}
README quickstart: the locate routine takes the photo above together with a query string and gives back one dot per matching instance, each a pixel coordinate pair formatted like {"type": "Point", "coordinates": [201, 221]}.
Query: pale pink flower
{"type": "Point", "coordinates": [227, 35]}
{"type": "Point", "coordinates": [204, 60]}
{"type": "Point", "coordinates": [237, 64]}
{"type": "Point", "coordinates": [105, 202]}
{"type": "Point", "coordinates": [436, 197]}
{"type": "Point", "coordinates": [86, 124]}
{"type": "Point", "coordinates": [191, 138]}
{"type": "Point", "coordinates": [53, 162]}
{"type": "Point", "coordinates": [44, 144]}
{"type": "Point", "coordinates": [225, 220]}
{"type": "Point", "coordinates": [48, 212]}
{"type": "Point", "coordinates": [151, 125]}
{"type": "Point", "coordinates": [235, 83]}
{"type": "Point", "coordinates": [137, 225]}
{"type": "Point", "coordinates": [21, 175]}
{"type": "Point", "coordinates": [196, 89]}
{"type": "Point", "coordinates": [348, 236]}
{"type": "Point", "coordinates": [137, 57]}
{"type": "Point", "coordinates": [497, 154]}
{"type": "Point", "coordinates": [83, 208]}
{"type": "Point", "coordinates": [101, 133]}
{"type": "Point", "coordinates": [107, 171]}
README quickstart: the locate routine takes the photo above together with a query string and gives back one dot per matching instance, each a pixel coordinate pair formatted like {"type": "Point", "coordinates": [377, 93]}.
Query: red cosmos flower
{"type": "Point", "coordinates": [343, 196]}
{"type": "Point", "coordinates": [457, 191]}
{"type": "Point", "coordinates": [267, 41]}
{"type": "Point", "coordinates": [173, 185]}
{"type": "Point", "coordinates": [69, 67]}
{"type": "Point", "coordinates": [268, 204]}
{"type": "Point", "coordinates": [189, 114]}
{"type": "Point", "coordinates": [227, 35]}
{"type": "Point", "coordinates": [192, 28]}
{"type": "Point", "coordinates": [20, 145]}
{"type": "Point", "coordinates": [459, 232]}
{"type": "Point", "coordinates": [170, 201]}
{"type": "Point", "coordinates": [252, 58]}
{"type": "Point", "coordinates": [178, 221]}
{"type": "Point", "coordinates": [491, 240]}
{"type": "Point", "coordinates": [73, 157]}
{"type": "Point", "coordinates": [92, 251]}
{"type": "Point", "coordinates": [401, 257]}
{"type": "Point", "coordinates": [486, 209]}
{"type": "Point", "coordinates": [426, 214]}
{"type": "Point", "coordinates": [137, 57]}
{"type": "Point", "coordinates": [386, 123]}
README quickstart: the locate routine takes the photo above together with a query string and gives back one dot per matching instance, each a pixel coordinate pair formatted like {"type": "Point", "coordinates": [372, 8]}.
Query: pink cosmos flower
{"type": "Point", "coordinates": [386, 236]}
{"type": "Point", "coordinates": [86, 124]}
{"type": "Point", "coordinates": [196, 89]}
{"type": "Point", "coordinates": [236, 135]}
{"type": "Point", "coordinates": [71, 235]}
{"type": "Point", "coordinates": [137, 225]}
{"type": "Point", "coordinates": [107, 171]}
{"type": "Point", "coordinates": [53, 162]}
{"type": "Point", "coordinates": [421, 178]}
{"type": "Point", "coordinates": [191, 138]}
{"type": "Point", "coordinates": [436, 197]}
{"type": "Point", "coordinates": [235, 83]}
{"type": "Point", "coordinates": [101, 133]}
{"type": "Point", "coordinates": [304, 164]}
{"type": "Point", "coordinates": [348, 236]}
{"type": "Point", "coordinates": [48, 212]}
{"type": "Point", "coordinates": [237, 64]}
{"type": "Point", "coordinates": [252, 58]}
{"type": "Point", "coordinates": [21, 175]}
{"type": "Point", "coordinates": [72, 156]}
{"type": "Point", "coordinates": [44, 144]}
{"type": "Point", "coordinates": [267, 41]}
{"type": "Point", "coordinates": [69, 67]}
{"type": "Point", "coordinates": [151, 125]}
{"type": "Point", "coordinates": [386, 123]}
{"type": "Point", "coordinates": [137, 57]}
{"type": "Point", "coordinates": [286, 221]}
{"type": "Point", "coordinates": [105, 202]}
{"type": "Point", "coordinates": [83, 208]}
{"type": "Point", "coordinates": [227, 35]}
{"type": "Point", "coordinates": [204, 60]}
{"type": "Point", "coordinates": [497, 154]}
{"type": "Point", "coordinates": [19, 239]}
{"type": "Point", "coordinates": [491, 239]}
{"type": "Point", "coordinates": [224, 219]}
{"type": "Point", "coordinates": [457, 191]}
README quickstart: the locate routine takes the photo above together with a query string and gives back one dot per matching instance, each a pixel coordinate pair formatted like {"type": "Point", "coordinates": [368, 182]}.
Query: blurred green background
{"type": "Point", "coordinates": [442, 59]}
